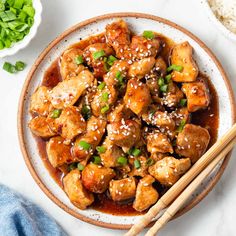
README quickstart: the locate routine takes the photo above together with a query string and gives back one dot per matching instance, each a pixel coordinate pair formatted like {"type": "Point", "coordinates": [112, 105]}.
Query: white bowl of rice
{"type": "Point", "coordinates": [223, 14]}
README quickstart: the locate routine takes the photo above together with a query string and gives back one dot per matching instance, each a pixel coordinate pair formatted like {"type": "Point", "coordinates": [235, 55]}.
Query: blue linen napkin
{"type": "Point", "coordinates": [20, 217]}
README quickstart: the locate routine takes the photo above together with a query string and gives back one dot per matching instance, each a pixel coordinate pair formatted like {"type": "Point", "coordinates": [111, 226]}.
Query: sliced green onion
{"type": "Point", "coordinates": [101, 149]}
{"type": "Point", "coordinates": [72, 166]}
{"type": "Point", "coordinates": [183, 102]}
{"type": "Point", "coordinates": [29, 10]}
{"type": "Point", "coordinates": [120, 79]}
{"type": "Point", "coordinates": [105, 97]}
{"type": "Point", "coordinates": [9, 67]}
{"type": "Point", "coordinates": [20, 65]}
{"type": "Point", "coordinates": [181, 126]}
{"type": "Point", "coordinates": [86, 112]}
{"type": "Point", "coordinates": [105, 109]}
{"type": "Point", "coordinates": [149, 162]}
{"type": "Point", "coordinates": [55, 113]}
{"type": "Point", "coordinates": [122, 160]}
{"type": "Point", "coordinates": [168, 78]}
{"type": "Point", "coordinates": [97, 160]}
{"type": "Point", "coordinates": [175, 67]}
{"type": "Point", "coordinates": [80, 166]}
{"type": "Point", "coordinates": [137, 164]}
{"type": "Point", "coordinates": [161, 81]}
{"type": "Point", "coordinates": [98, 54]}
{"type": "Point", "coordinates": [111, 60]}
{"type": "Point", "coordinates": [148, 34]}
{"type": "Point", "coordinates": [136, 152]}
{"type": "Point", "coordinates": [86, 146]}
{"type": "Point", "coordinates": [7, 16]}
{"type": "Point", "coordinates": [102, 85]}
{"type": "Point", "coordinates": [79, 60]}
{"type": "Point", "coordinates": [164, 88]}
{"type": "Point", "coordinates": [18, 4]}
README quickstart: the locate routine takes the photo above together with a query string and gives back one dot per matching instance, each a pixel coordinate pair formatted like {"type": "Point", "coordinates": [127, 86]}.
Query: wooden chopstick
{"type": "Point", "coordinates": [178, 203]}
{"type": "Point", "coordinates": [178, 187]}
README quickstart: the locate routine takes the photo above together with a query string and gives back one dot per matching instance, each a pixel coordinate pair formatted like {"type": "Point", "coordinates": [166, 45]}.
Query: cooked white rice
{"type": "Point", "coordinates": [225, 11]}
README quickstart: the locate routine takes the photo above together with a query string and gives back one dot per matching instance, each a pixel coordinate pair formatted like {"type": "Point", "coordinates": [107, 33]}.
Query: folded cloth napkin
{"type": "Point", "coordinates": [20, 217]}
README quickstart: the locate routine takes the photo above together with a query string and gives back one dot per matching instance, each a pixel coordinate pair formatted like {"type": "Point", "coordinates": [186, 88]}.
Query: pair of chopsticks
{"type": "Point", "coordinates": [182, 190]}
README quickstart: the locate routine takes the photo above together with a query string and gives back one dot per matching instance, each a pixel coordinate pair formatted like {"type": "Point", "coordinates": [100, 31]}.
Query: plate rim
{"type": "Point", "coordinates": [42, 55]}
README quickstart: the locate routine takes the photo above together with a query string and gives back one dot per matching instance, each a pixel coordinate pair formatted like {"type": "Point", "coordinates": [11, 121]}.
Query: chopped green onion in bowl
{"type": "Point", "coordinates": [16, 19]}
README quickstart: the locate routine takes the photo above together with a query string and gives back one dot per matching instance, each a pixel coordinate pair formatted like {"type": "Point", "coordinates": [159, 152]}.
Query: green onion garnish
{"type": "Point", "coordinates": [175, 67]}
{"type": "Point", "coordinates": [80, 166]}
{"type": "Point", "coordinates": [97, 160]}
{"type": "Point", "coordinates": [181, 126]}
{"type": "Point", "coordinates": [20, 65]}
{"type": "Point", "coordinates": [183, 102]}
{"type": "Point", "coordinates": [55, 113]}
{"type": "Point", "coordinates": [98, 54]}
{"type": "Point", "coordinates": [122, 160]}
{"type": "Point", "coordinates": [9, 67]}
{"type": "Point", "coordinates": [79, 60]}
{"type": "Point", "coordinates": [86, 146]}
{"type": "Point", "coordinates": [102, 85]}
{"type": "Point", "coordinates": [161, 81]}
{"type": "Point", "coordinates": [168, 78]}
{"type": "Point", "coordinates": [86, 112]}
{"type": "Point", "coordinates": [72, 166]}
{"type": "Point", "coordinates": [105, 97]}
{"type": "Point", "coordinates": [105, 109]}
{"type": "Point", "coordinates": [149, 162]}
{"type": "Point", "coordinates": [101, 149]}
{"type": "Point", "coordinates": [135, 152]}
{"type": "Point", "coordinates": [148, 34]}
{"type": "Point", "coordinates": [137, 164]}
{"type": "Point", "coordinates": [164, 88]}
{"type": "Point", "coordinates": [120, 79]}
{"type": "Point", "coordinates": [111, 60]}
{"type": "Point", "coordinates": [16, 19]}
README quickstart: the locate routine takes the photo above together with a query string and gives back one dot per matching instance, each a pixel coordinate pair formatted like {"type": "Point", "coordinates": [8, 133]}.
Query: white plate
{"type": "Point", "coordinates": [138, 23]}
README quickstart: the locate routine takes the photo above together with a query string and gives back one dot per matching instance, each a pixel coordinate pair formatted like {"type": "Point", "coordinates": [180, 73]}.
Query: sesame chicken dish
{"type": "Point", "coordinates": [120, 117]}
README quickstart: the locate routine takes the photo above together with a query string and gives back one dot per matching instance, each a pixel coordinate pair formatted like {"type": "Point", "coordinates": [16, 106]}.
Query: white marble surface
{"type": "Point", "coordinates": [216, 214]}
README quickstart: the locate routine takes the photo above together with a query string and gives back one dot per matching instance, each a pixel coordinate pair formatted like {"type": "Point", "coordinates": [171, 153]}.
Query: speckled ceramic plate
{"type": "Point", "coordinates": [138, 23]}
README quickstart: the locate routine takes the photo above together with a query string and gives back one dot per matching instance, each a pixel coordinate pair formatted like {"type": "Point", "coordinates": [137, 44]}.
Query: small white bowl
{"type": "Point", "coordinates": [26, 40]}
{"type": "Point", "coordinates": [227, 33]}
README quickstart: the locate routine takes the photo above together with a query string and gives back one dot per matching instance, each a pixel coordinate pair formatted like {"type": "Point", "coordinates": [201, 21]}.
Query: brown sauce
{"type": "Point", "coordinates": [208, 118]}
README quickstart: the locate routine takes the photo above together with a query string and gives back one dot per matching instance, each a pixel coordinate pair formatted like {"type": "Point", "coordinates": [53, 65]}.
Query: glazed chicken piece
{"type": "Point", "coordinates": [94, 55]}
{"type": "Point", "coordinates": [117, 73]}
{"type": "Point", "coordinates": [146, 194]}
{"type": "Point", "coordinates": [75, 190]}
{"type": "Point", "coordinates": [70, 123]}
{"type": "Point", "coordinates": [181, 114]}
{"type": "Point", "coordinates": [141, 68]}
{"type": "Point", "coordinates": [85, 144]}
{"type": "Point", "coordinates": [67, 92]}
{"type": "Point", "coordinates": [142, 170]}
{"type": "Point", "coordinates": [111, 154]}
{"type": "Point", "coordinates": [182, 55]}
{"type": "Point", "coordinates": [40, 127]}
{"type": "Point", "coordinates": [157, 156]}
{"type": "Point", "coordinates": [71, 63]}
{"type": "Point", "coordinates": [192, 142]}
{"type": "Point", "coordinates": [124, 133]}
{"type": "Point", "coordinates": [118, 113]}
{"type": "Point", "coordinates": [163, 121]}
{"type": "Point", "coordinates": [96, 178]}
{"type": "Point", "coordinates": [122, 189]}
{"type": "Point", "coordinates": [160, 66]}
{"type": "Point", "coordinates": [168, 170]}
{"type": "Point", "coordinates": [173, 96]}
{"type": "Point", "coordinates": [197, 95]}
{"type": "Point", "coordinates": [59, 153]}
{"type": "Point", "coordinates": [103, 100]}
{"type": "Point", "coordinates": [137, 97]}
{"type": "Point", "coordinates": [118, 36]}
{"type": "Point", "coordinates": [39, 102]}
{"type": "Point", "coordinates": [158, 142]}
{"type": "Point", "coordinates": [142, 47]}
